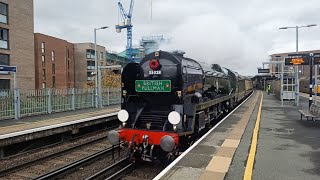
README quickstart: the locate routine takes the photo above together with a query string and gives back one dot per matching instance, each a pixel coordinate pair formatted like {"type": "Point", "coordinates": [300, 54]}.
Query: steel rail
{"type": "Point", "coordinates": [27, 164]}
{"type": "Point", "coordinates": [121, 172]}
{"type": "Point", "coordinates": [113, 167]}
{"type": "Point", "coordinates": [61, 142]}
{"type": "Point", "coordinates": [75, 164]}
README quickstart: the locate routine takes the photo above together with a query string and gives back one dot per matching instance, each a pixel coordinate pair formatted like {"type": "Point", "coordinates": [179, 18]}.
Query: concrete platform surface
{"type": "Point", "coordinates": [11, 126]}
{"type": "Point", "coordinates": [287, 149]}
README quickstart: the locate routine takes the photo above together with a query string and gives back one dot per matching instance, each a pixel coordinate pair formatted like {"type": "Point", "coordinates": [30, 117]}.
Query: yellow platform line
{"type": "Point", "coordinates": [253, 148]}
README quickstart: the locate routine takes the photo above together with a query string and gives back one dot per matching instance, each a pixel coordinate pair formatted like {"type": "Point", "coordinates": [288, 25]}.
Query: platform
{"type": "Point", "coordinates": [15, 131]}
{"type": "Point", "coordinates": [286, 147]}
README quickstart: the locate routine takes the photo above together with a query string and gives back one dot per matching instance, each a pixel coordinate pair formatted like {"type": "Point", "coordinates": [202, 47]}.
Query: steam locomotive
{"type": "Point", "coordinates": [169, 100]}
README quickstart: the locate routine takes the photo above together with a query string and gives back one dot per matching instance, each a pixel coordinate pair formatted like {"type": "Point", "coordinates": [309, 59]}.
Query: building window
{"type": "Point", "coordinates": [43, 85]}
{"type": "Point", "coordinates": [101, 56]}
{"type": "Point", "coordinates": [90, 54]}
{"type": "Point", "coordinates": [4, 40]}
{"type": "Point", "coordinates": [43, 46]}
{"type": "Point", "coordinates": [53, 56]}
{"type": "Point", "coordinates": [4, 84]}
{"type": "Point", "coordinates": [53, 69]}
{"type": "Point", "coordinates": [68, 53]}
{"type": "Point", "coordinates": [43, 60]}
{"type": "Point", "coordinates": [68, 76]}
{"type": "Point", "coordinates": [90, 76]}
{"type": "Point", "coordinates": [4, 13]}
{"type": "Point", "coordinates": [90, 65]}
{"type": "Point", "coordinates": [4, 59]}
{"type": "Point", "coordinates": [53, 81]}
{"type": "Point", "coordinates": [43, 74]}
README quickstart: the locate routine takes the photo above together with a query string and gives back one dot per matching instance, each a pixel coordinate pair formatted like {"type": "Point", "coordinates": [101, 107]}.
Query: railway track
{"type": "Point", "coordinates": [73, 166]}
{"type": "Point", "coordinates": [30, 163]}
{"type": "Point", "coordinates": [26, 166]}
{"type": "Point", "coordinates": [38, 138]}
{"type": "Point", "coordinates": [114, 171]}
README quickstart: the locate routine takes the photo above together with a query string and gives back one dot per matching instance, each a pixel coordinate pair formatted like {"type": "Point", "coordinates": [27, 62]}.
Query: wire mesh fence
{"type": "Point", "coordinates": [84, 98]}
{"type": "Point", "coordinates": [61, 100]}
{"type": "Point", "coordinates": [33, 102]}
{"type": "Point", "coordinates": [6, 104]}
{"type": "Point", "coordinates": [111, 96]}
{"type": "Point", "coordinates": [47, 101]}
{"type": "Point", "coordinates": [115, 96]}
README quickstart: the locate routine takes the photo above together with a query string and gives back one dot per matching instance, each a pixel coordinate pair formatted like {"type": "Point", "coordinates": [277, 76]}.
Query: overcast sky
{"type": "Point", "coordinates": [239, 34]}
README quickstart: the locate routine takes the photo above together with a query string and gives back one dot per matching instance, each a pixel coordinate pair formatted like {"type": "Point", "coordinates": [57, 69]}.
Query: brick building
{"type": "Point", "coordinates": [304, 71]}
{"type": "Point", "coordinates": [17, 42]}
{"type": "Point", "coordinates": [85, 62]}
{"type": "Point", "coordinates": [54, 62]}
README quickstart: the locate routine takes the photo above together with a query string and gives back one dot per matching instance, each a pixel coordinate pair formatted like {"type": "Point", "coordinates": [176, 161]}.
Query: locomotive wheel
{"type": "Point", "coordinates": [185, 143]}
{"type": "Point", "coordinates": [226, 111]}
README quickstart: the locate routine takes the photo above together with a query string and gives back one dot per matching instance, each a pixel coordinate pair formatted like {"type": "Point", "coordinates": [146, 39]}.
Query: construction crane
{"type": "Point", "coordinates": [126, 24]}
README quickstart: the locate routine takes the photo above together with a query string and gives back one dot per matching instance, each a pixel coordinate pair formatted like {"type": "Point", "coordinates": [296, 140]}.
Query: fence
{"type": "Point", "coordinates": [111, 96]}
{"type": "Point", "coordinates": [6, 104]}
{"type": "Point", "coordinates": [22, 103]}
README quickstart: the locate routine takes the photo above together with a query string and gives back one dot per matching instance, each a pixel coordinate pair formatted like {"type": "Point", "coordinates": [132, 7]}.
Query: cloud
{"type": "Point", "coordinates": [236, 34]}
{"type": "Point", "coordinates": [216, 39]}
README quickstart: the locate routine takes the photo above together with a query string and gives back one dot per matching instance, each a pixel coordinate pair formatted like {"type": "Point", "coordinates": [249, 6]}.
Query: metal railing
{"type": "Point", "coordinates": [84, 98]}
{"type": "Point", "coordinates": [6, 104]}
{"type": "Point", "coordinates": [32, 102]}
{"type": "Point", "coordinates": [111, 96]}
{"type": "Point", "coordinates": [22, 103]}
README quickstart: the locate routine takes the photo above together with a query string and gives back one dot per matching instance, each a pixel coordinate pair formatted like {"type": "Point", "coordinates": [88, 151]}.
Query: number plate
{"type": "Point", "coordinates": [153, 85]}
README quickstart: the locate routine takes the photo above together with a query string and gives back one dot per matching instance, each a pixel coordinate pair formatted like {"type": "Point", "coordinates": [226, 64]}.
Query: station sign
{"type": "Point", "coordinates": [263, 70]}
{"type": "Point", "coordinates": [297, 59]}
{"type": "Point", "coordinates": [8, 68]}
{"type": "Point", "coordinates": [302, 59]}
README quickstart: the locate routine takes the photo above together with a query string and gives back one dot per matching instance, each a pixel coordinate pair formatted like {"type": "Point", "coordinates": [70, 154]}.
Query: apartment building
{"type": "Point", "coordinates": [54, 62]}
{"type": "Point", "coordinates": [17, 43]}
{"type": "Point", "coordinates": [84, 54]}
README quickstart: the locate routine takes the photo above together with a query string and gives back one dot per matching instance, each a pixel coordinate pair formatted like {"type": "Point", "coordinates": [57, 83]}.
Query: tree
{"type": "Point", "coordinates": [109, 79]}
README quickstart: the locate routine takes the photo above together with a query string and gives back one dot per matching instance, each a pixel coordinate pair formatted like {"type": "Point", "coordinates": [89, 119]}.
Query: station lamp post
{"type": "Point", "coordinates": [96, 65]}
{"type": "Point", "coordinates": [297, 50]}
